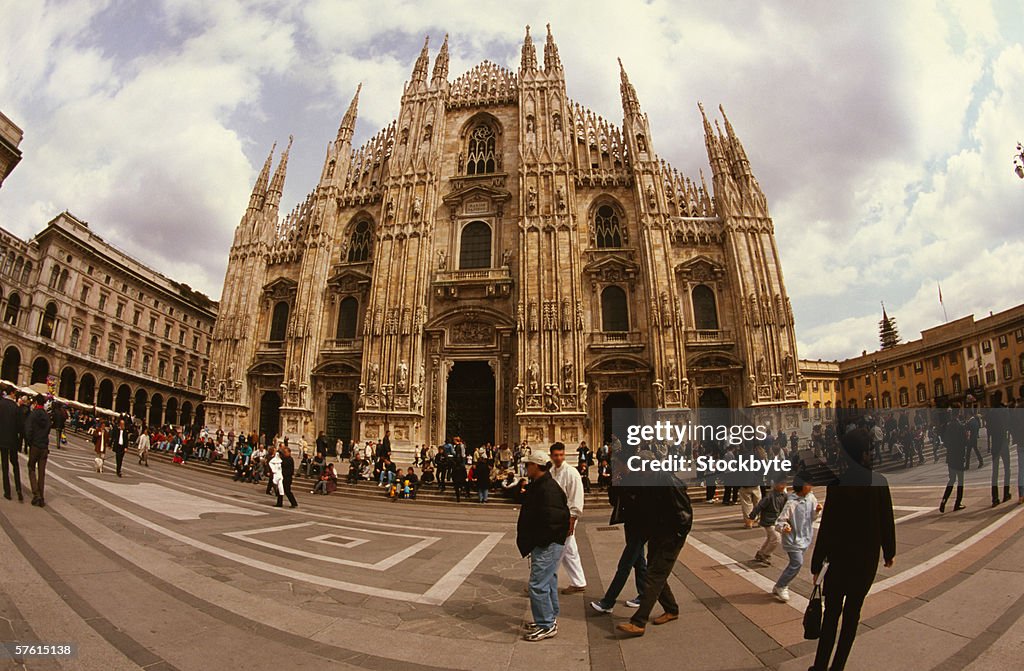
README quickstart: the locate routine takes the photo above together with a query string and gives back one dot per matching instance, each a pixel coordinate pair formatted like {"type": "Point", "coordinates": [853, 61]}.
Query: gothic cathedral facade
{"type": "Point", "coordinates": [501, 263]}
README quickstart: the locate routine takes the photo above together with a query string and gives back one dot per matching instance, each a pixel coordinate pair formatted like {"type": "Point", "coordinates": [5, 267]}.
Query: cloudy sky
{"type": "Point", "coordinates": [882, 132]}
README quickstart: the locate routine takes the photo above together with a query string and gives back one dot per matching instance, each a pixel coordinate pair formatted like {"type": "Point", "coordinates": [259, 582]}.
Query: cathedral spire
{"type": "Point", "coordinates": [348, 122]}
{"type": "Point", "coordinates": [277, 183]}
{"type": "Point", "coordinates": [419, 71]}
{"type": "Point", "coordinates": [259, 189]}
{"type": "Point", "coordinates": [528, 62]}
{"type": "Point", "coordinates": [630, 102]}
{"type": "Point", "coordinates": [551, 60]}
{"type": "Point", "coordinates": [441, 64]}
{"type": "Point", "coordinates": [738, 154]}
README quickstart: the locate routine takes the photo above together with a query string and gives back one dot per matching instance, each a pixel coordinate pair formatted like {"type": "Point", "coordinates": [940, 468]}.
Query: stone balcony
{"type": "Point", "coordinates": [700, 337]}
{"type": "Point", "coordinates": [475, 283]}
{"type": "Point", "coordinates": [342, 345]}
{"type": "Point", "coordinates": [628, 341]}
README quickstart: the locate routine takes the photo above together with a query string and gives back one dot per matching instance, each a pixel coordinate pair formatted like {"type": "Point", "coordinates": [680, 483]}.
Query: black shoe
{"type": "Point", "coordinates": [995, 502]}
{"type": "Point", "coordinates": [7, 495]}
{"type": "Point", "coordinates": [959, 506]}
{"type": "Point", "coordinates": [942, 506]}
{"type": "Point", "coordinates": [1006, 495]}
{"type": "Point", "coordinates": [35, 501]}
{"type": "Point", "coordinates": [42, 503]}
{"type": "Point", "coordinates": [119, 475]}
{"type": "Point", "coordinates": [278, 505]}
{"type": "Point", "coordinates": [294, 505]}
{"type": "Point", "coordinates": [21, 499]}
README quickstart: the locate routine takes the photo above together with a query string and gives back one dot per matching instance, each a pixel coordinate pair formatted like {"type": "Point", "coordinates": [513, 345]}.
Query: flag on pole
{"type": "Point", "coordinates": [945, 317]}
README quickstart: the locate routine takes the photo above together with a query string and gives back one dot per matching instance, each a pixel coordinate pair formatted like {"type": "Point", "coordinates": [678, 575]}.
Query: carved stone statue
{"type": "Point", "coordinates": [389, 209]}
{"type": "Point", "coordinates": [567, 376]}
{"type": "Point", "coordinates": [417, 207]}
{"type": "Point", "coordinates": [442, 259]}
{"type": "Point", "coordinates": [532, 375]}
{"type": "Point", "coordinates": [551, 397]}
{"type": "Point", "coordinates": [531, 199]}
{"type": "Point", "coordinates": [506, 258]}
{"type": "Point", "coordinates": [673, 377]}
{"type": "Point", "coordinates": [652, 198]}
{"type": "Point", "coordinates": [532, 323]}
{"type": "Point", "coordinates": [361, 397]}
{"type": "Point", "coordinates": [517, 397]}
{"type": "Point", "coordinates": [373, 378]}
{"type": "Point", "coordinates": [579, 315]}
{"type": "Point", "coordinates": [519, 317]}
{"type": "Point", "coordinates": [686, 391]}
{"type": "Point", "coordinates": [403, 377]}
{"type": "Point", "coordinates": [659, 393]}
{"type": "Point", "coordinates": [560, 198]}
{"type": "Point", "coordinates": [566, 315]}
{"type": "Point", "coordinates": [581, 395]}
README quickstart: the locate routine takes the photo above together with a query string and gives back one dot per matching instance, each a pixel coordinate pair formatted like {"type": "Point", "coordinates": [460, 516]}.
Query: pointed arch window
{"type": "Point", "coordinates": [614, 310]}
{"type": "Point", "coordinates": [348, 310]}
{"type": "Point", "coordinates": [705, 310]}
{"type": "Point", "coordinates": [608, 230]}
{"type": "Point", "coordinates": [279, 321]}
{"type": "Point", "coordinates": [359, 243]}
{"type": "Point", "coordinates": [481, 152]}
{"type": "Point", "coordinates": [475, 247]}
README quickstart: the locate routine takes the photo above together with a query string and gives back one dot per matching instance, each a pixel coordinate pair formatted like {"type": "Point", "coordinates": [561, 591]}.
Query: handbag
{"type": "Point", "coordinates": [812, 616]}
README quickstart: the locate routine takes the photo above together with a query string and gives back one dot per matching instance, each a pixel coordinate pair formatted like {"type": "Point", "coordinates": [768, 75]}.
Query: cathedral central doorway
{"type": "Point", "coordinates": [339, 420]}
{"type": "Point", "coordinates": [471, 403]}
{"type": "Point", "coordinates": [625, 404]}
{"type": "Point", "coordinates": [270, 414]}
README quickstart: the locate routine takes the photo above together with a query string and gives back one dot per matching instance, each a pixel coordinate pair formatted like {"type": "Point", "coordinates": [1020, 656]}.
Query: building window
{"type": "Point", "coordinates": [481, 151]}
{"type": "Point", "coordinates": [986, 346]}
{"type": "Point", "coordinates": [901, 372]}
{"type": "Point", "coordinates": [146, 360]}
{"type": "Point", "coordinates": [614, 310]}
{"type": "Point", "coordinates": [918, 366]}
{"type": "Point", "coordinates": [279, 322]}
{"type": "Point", "coordinates": [94, 345]}
{"type": "Point", "coordinates": [1019, 335]}
{"type": "Point", "coordinates": [347, 313]}
{"type": "Point", "coordinates": [970, 351]}
{"type": "Point", "coordinates": [129, 357]}
{"type": "Point", "coordinates": [705, 312]}
{"type": "Point", "coordinates": [181, 337]}
{"type": "Point", "coordinates": [207, 348]}
{"type": "Point", "coordinates": [54, 277]}
{"type": "Point", "coordinates": [1003, 341]}
{"type": "Point", "coordinates": [190, 378]}
{"type": "Point", "coordinates": [152, 324]}
{"type": "Point", "coordinates": [938, 388]}
{"type": "Point", "coordinates": [112, 352]}
{"type": "Point", "coordinates": [103, 302]}
{"type": "Point", "coordinates": [76, 338]}
{"type": "Point", "coordinates": [49, 321]}
{"type": "Point", "coordinates": [167, 331]}
{"type": "Point", "coordinates": [475, 246]}
{"type": "Point", "coordinates": [936, 362]}
{"type": "Point", "coordinates": [922, 393]}
{"type": "Point", "coordinates": [84, 296]}
{"type": "Point", "coordinates": [904, 397]}
{"type": "Point", "coordinates": [13, 310]}
{"type": "Point", "coordinates": [359, 243]}
{"type": "Point", "coordinates": [814, 385]}
{"type": "Point", "coordinates": [25, 272]}
{"type": "Point", "coordinates": [176, 375]}
{"type": "Point", "coordinates": [885, 376]}
{"type": "Point", "coordinates": [195, 343]}
{"type": "Point", "coordinates": [972, 380]}
{"type": "Point", "coordinates": [119, 311]}
{"type": "Point", "coordinates": [608, 230]}
{"type": "Point", "coordinates": [161, 369]}
{"type": "Point", "coordinates": [990, 377]}
{"type": "Point", "coordinates": [886, 400]}
{"type": "Point", "coordinates": [827, 385]}
{"type": "Point", "coordinates": [136, 317]}
{"type": "Point", "coordinates": [867, 379]}
{"type": "Point", "coordinates": [1007, 369]}
{"type": "Point", "coordinates": [957, 384]}
{"type": "Point", "coordinates": [952, 358]}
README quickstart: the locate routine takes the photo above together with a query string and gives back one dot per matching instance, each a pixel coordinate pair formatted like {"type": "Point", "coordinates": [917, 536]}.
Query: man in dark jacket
{"type": "Point", "coordinates": [541, 531]}
{"type": "Point", "coordinates": [857, 525]}
{"type": "Point", "coordinates": [12, 426]}
{"type": "Point", "coordinates": [119, 443]}
{"type": "Point", "coordinates": [37, 437]}
{"type": "Point", "coordinates": [666, 518]}
{"type": "Point", "coordinates": [996, 423]}
{"type": "Point", "coordinates": [954, 437]}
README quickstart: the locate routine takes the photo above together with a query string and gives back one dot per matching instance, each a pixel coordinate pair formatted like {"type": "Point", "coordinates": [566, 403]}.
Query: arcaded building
{"type": "Point", "coordinates": [101, 328]}
{"type": "Point", "coordinates": [501, 263]}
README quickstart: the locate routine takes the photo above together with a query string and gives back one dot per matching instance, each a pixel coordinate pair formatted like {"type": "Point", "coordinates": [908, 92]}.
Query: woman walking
{"type": "Point", "coordinates": [143, 446]}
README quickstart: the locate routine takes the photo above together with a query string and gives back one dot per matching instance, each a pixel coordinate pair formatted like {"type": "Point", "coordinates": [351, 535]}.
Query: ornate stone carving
{"type": "Point", "coordinates": [531, 199]}
{"type": "Point", "coordinates": [402, 384]}
{"type": "Point", "coordinates": [532, 324]}
{"type": "Point", "coordinates": [373, 378]}
{"type": "Point", "coordinates": [533, 377]}
{"type": "Point", "coordinates": [566, 315]}
{"type": "Point", "coordinates": [568, 379]}
{"type": "Point", "coordinates": [470, 332]}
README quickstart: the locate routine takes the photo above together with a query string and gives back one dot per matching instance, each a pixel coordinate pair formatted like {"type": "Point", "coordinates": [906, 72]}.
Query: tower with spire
{"type": "Point", "coordinates": [502, 263]}
{"type": "Point", "coordinates": [888, 334]}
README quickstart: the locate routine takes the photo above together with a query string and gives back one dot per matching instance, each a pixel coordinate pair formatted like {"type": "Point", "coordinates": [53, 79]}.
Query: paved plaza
{"type": "Point", "coordinates": [178, 568]}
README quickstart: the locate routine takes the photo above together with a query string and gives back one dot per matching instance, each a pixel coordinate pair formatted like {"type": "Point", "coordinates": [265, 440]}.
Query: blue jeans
{"type": "Point", "coordinates": [796, 562]}
{"type": "Point", "coordinates": [482, 493]}
{"type": "Point", "coordinates": [544, 583]}
{"type": "Point", "coordinates": [632, 558]}
{"type": "Point", "coordinates": [388, 476]}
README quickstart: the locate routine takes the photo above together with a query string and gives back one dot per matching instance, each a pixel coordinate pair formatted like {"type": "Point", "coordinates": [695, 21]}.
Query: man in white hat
{"type": "Point", "coordinates": [540, 532]}
{"type": "Point", "coordinates": [568, 478]}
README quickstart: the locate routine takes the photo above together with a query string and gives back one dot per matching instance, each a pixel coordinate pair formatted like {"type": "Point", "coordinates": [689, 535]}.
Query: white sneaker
{"type": "Point", "coordinates": [633, 603]}
{"type": "Point", "coordinates": [781, 594]}
{"type": "Point", "coordinates": [596, 605]}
